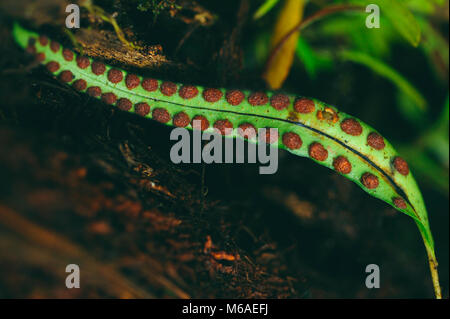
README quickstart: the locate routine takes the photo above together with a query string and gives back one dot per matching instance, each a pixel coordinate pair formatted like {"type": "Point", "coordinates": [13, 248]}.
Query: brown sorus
{"type": "Point", "coordinates": [115, 76]}
{"type": "Point", "coordinates": [224, 126]}
{"type": "Point", "coordinates": [142, 109]}
{"type": "Point", "coordinates": [376, 141]}
{"type": "Point", "coordinates": [161, 115]}
{"type": "Point", "coordinates": [247, 130]}
{"type": "Point", "coordinates": [109, 98]}
{"type": "Point", "coordinates": [150, 85]}
{"type": "Point", "coordinates": [279, 101]}
{"type": "Point", "coordinates": [212, 95]}
{"type": "Point", "coordinates": [168, 88]}
{"type": "Point", "coordinates": [317, 151]}
{"type": "Point", "coordinates": [132, 81]}
{"type": "Point", "coordinates": [292, 140]}
{"type": "Point", "coordinates": [399, 202]}
{"type": "Point", "coordinates": [351, 126]}
{"type": "Point", "coordinates": [94, 91]}
{"type": "Point", "coordinates": [124, 104]}
{"type": "Point", "coordinates": [98, 68]}
{"type": "Point", "coordinates": [43, 40]}
{"type": "Point", "coordinates": [258, 98]}
{"type": "Point", "coordinates": [401, 166]}
{"type": "Point", "coordinates": [79, 85]}
{"type": "Point", "coordinates": [54, 46]}
{"type": "Point", "coordinates": [342, 165]}
{"type": "Point", "coordinates": [234, 97]}
{"type": "Point", "coordinates": [369, 180]}
{"type": "Point", "coordinates": [52, 66]}
{"type": "Point", "coordinates": [188, 92]}
{"type": "Point", "coordinates": [67, 54]}
{"type": "Point", "coordinates": [66, 76]}
{"type": "Point", "coordinates": [204, 123]}
{"type": "Point", "coordinates": [181, 119]}
{"type": "Point", "coordinates": [40, 57]}
{"type": "Point", "coordinates": [304, 105]}
{"type": "Point", "coordinates": [271, 136]}
{"type": "Point", "coordinates": [82, 62]}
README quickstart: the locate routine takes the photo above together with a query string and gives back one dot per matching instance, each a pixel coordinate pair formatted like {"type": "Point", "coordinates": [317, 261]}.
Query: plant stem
{"type": "Point", "coordinates": [434, 273]}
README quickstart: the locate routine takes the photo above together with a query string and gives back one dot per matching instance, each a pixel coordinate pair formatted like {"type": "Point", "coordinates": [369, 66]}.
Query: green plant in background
{"type": "Point", "coordinates": [343, 37]}
{"type": "Point", "coordinates": [407, 22]}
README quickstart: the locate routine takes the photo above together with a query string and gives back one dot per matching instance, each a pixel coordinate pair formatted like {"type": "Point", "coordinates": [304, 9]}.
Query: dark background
{"type": "Point", "coordinates": [81, 182]}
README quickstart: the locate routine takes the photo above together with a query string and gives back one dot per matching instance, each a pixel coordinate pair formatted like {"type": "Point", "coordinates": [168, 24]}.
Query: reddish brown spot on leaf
{"type": "Point", "coordinates": [247, 130]}
{"type": "Point", "coordinates": [270, 136]}
{"type": "Point", "coordinates": [304, 105]}
{"type": "Point", "coordinates": [83, 62]}
{"type": "Point", "coordinates": [98, 68]}
{"type": "Point", "coordinates": [94, 91]}
{"type": "Point", "coordinates": [161, 115]}
{"type": "Point", "coordinates": [79, 85]}
{"type": "Point", "coordinates": [399, 202]}
{"type": "Point", "coordinates": [181, 119]}
{"type": "Point", "coordinates": [376, 141]}
{"type": "Point", "coordinates": [342, 165]}
{"type": "Point", "coordinates": [150, 85]}
{"type": "Point", "coordinates": [258, 98]}
{"type": "Point", "coordinates": [212, 95]}
{"type": "Point", "coordinates": [115, 76]}
{"type": "Point", "coordinates": [142, 109]}
{"type": "Point", "coordinates": [43, 40]}
{"type": "Point", "coordinates": [124, 104]}
{"type": "Point", "coordinates": [109, 98]}
{"type": "Point", "coordinates": [40, 57]}
{"type": "Point", "coordinates": [369, 180]}
{"type": "Point", "coordinates": [31, 48]}
{"type": "Point", "coordinates": [317, 151]}
{"type": "Point", "coordinates": [401, 166]}
{"type": "Point", "coordinates": [234, 97]}
{"type": "Point", "coordinates": [52, 66]}
{"type": "Point", "coordinates": [292, 140]}
{"type": "Point", "coordinates": [67, 54]}
{"type": "Point", "coordinates": [168, 88]}
{"type": "Point", "coordinates": [132, 81]}
{"type": "Point", "coordinates": [279, 101]}
{"type": "Point", "coordinates": [54, 46]}
{"type": "Point", "coordinates": [351, 126]}
{"type": "Point", "coordinates": [188, 92]}
{"type": "Point", "coordinates": [66, 76]}
{"type": "Point", "coordinates": [224, 126]}
{"type": "Point", "coordinates": [199, 119]}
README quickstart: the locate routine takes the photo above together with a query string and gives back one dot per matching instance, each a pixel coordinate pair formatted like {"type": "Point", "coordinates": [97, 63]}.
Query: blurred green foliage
{"type": "Point", "coordinates": [420, 26]}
